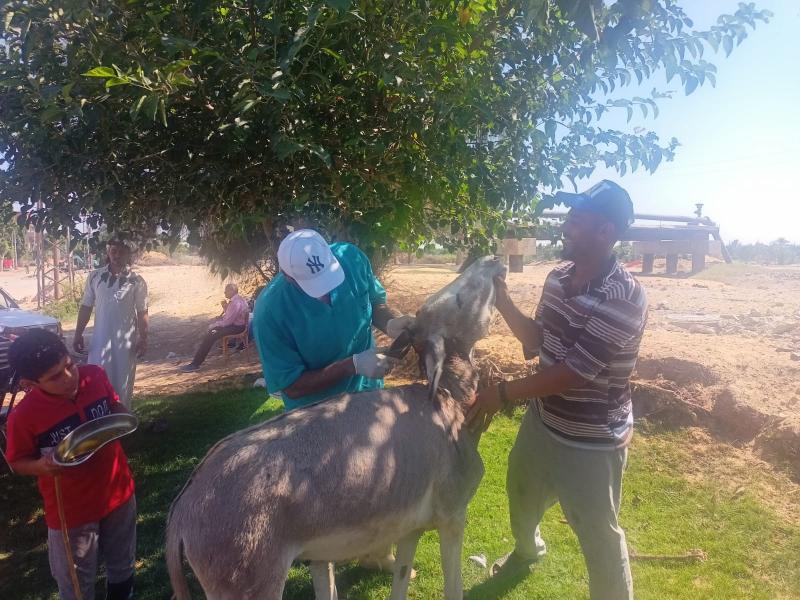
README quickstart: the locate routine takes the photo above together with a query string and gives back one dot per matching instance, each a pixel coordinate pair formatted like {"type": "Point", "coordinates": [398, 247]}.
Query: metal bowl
{"type": "Point", "coordinates": [80, 444]}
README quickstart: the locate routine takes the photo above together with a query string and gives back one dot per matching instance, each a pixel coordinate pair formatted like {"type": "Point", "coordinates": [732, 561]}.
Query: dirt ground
{"type": "Point", "coordinates": [734, 327]}
{"type": "Point", "coordinates": [721, 350]}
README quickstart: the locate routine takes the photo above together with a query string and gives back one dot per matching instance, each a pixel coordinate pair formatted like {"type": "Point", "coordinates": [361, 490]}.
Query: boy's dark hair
{"type": "Point", "coordinates": [34, 353]}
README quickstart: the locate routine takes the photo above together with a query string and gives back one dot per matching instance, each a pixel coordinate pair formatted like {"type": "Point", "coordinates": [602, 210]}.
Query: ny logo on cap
{"type": "Point", "coordinates": [314, 265]}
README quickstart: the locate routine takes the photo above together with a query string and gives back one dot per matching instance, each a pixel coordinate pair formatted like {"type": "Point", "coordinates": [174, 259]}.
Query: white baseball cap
{"type": "Point", "coordinates": [306, 257]}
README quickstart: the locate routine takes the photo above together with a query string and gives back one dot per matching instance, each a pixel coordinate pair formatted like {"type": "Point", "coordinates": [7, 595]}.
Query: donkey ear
{"type": "Point", "coordinates": [434, 363]}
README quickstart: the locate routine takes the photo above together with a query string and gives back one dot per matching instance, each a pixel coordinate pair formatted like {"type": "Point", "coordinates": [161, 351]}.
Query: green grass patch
{"type": "Point", "coordinates": [65, 309]}
{"type": "Point", "coordinates": [751, 552]}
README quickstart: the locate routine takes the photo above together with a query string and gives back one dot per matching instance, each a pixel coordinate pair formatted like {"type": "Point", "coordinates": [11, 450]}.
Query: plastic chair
{"type": "Point", "coordinates": [239, 338]}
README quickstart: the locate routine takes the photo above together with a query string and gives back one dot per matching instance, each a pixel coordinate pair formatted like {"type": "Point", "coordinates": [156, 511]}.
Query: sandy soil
{"type": "Point", "coordinates": [183, 300]}
{"type": "Point", "coordinates": [732, 326]}
{"type": "Point", "coordinates": [21, 286]}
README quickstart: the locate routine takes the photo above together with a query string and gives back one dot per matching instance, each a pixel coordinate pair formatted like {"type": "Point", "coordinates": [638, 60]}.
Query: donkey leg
{"type": "Point", "coordinates": [451, 538]}
{"type": "Point", "coordinates": [404, 560]}
{"type": "Point", "coordinates": [263, 584]}
{"type": "Point", "coordinates": [269, 582]}
{"type": "Point", "coordinates": [324, 582]}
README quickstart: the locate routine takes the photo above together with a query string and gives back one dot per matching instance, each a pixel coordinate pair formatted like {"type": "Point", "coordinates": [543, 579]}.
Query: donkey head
{"type": "Point", "coordinates": [452, 320]}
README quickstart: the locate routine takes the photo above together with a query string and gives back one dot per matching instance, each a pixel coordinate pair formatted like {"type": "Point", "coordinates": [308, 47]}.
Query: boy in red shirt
{"type": "Point", "coordinates": [99, 503]}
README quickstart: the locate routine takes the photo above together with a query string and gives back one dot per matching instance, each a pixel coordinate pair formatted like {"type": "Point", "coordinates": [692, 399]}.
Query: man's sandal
{"type": "Point", "coordinates": [511, 565]}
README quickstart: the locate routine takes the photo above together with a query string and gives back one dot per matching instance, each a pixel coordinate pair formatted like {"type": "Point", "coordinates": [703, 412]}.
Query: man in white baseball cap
{"type": "Point", "coordinates": [313, 323]}
{"type": "Point", "coordinates": [313, 327]}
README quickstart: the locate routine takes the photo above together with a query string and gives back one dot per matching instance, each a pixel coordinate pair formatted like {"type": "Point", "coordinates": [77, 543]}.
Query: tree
{"type": "Point", "coordinates": [782, 246]}
{"type": "Point", "coordinates": [388, 123]}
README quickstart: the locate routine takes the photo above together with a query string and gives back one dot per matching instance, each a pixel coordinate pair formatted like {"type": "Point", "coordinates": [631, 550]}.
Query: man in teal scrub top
{"type": "Point", "coordinates": [312, 325]}
{"type": "Point", "coordinates": [313, 328]}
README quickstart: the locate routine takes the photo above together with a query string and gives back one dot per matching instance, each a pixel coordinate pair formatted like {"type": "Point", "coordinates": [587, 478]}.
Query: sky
{"type": "Point", "coordinates": [740, 141]}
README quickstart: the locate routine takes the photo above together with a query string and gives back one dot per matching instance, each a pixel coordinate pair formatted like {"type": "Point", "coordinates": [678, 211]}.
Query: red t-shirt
{"type": "Point", "coordinates": [92, 490]}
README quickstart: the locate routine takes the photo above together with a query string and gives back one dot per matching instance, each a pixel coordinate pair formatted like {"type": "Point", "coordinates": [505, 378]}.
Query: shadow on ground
{"type": "Point", "coordinates": [161, 463]}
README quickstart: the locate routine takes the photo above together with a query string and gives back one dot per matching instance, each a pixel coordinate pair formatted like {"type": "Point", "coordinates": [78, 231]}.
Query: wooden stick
{"type": "Point", "coordinates": [73, 575]}
{"type": "Point", "coordinates": [692, 555]}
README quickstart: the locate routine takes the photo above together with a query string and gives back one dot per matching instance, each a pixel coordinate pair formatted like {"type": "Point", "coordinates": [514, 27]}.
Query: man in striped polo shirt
{"type": "Point", "coordinates": [572, 444]}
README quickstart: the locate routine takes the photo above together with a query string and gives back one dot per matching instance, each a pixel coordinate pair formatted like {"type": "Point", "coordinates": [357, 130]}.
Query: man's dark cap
{"type": "Point", "coordinates": [605, 198]}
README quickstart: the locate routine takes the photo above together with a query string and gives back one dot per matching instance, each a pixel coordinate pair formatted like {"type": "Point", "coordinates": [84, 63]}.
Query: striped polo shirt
{"type": "Point", "coordinates": [596, 332]}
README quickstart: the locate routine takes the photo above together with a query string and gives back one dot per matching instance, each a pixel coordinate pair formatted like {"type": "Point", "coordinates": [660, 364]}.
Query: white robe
{"type": "Point", "coordinates": [116, 300]}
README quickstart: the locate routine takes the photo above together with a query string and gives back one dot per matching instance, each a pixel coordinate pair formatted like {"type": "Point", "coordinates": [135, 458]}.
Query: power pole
{"type": "Point", "coordinates": [56, 274]}
{"type": "Point", "coordinates": [14, 257]}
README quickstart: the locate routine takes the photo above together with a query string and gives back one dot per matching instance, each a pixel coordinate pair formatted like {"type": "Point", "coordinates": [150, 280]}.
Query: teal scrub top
{"type": "Point", "coordinates": [295, 332]}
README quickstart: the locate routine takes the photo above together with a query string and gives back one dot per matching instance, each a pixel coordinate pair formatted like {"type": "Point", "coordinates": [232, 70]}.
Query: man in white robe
{"type": "Point", "coordinates": [119, 297]}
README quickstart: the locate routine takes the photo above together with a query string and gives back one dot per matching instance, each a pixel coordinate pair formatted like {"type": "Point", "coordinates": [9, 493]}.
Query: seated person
{"type": "Point", "coordinates": [233, 320]}
{"type": "Point", "coordinates": [98, 495]}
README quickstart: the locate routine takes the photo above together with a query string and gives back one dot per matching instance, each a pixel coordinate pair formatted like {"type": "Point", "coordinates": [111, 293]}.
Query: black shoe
{"type": "Point", "coordinates": [120, 591]}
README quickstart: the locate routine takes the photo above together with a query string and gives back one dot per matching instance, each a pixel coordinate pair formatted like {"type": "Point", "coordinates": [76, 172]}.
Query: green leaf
{"type": "Point", "coordinates": [671, 66]}
{"type": "Point", "coordinates": [26, 27]}
{"type": "Point", "coordinates": [100, 72]}
{"type": "Point", "coordinates": [335, 55]}
{"type": "Point", "coordinates": [50, 114]}
{"type": "Point", "coordinates": [182, 79]}
{"type": "Point", "coordinates": [550, 129]}
{"type": "Point", "coordinates": [599, 110]}
{"type": "Point", "coordinates": [67, 90]}
{"type": "Point", "coordinates": [713, 40]}
{"type": "Point", "coordinates": [150, 107]}
{"type": "Point", "coordinates": [537, 11]}
{"type": "Point", "coordinates": [8, 19]}
{"type": "Point", "coordinates": [339, 5]}
{"type": "Point", "coordinates": [656, 160]}
{"type": "Point", "coordinates": [247, 105]}
{"type": "Point", "coordinates": [691, 84]}
{"type": "Point", "coordinates": [321, 153]}
{"type": "Point", "coordinates": [630, 113]}
{"type": "Point", "coordinates": [727, 44]}
{"type": "Point", "coordinates": [690, 44]}
{"type": "Point", "coordinates": [280, 93]}
{"type": "Point", "coordinates": [112, 81]}
{"type": "Point", "coordinates": [284, 148]}
{"type": "Point", "coordinates": [135, 108]}
{"type": "Point", "coordinates": [162, 109]}
{"type": "Point", "coordinates": [582, 12]}
{"type": "Point", "coordinates": [178, 65]}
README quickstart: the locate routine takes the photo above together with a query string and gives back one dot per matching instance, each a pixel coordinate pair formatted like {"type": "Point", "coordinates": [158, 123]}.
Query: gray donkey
{"type": "Point", "coordinates": [341, 478]}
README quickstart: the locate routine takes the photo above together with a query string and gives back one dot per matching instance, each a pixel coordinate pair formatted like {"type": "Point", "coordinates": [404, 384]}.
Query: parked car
{"type": "Point", "coordinates": [13, 322]}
